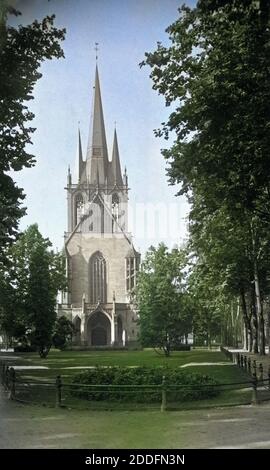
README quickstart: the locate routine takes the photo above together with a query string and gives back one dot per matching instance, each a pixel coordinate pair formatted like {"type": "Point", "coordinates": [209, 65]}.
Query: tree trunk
{"type": "Point", "coordinates": [209, 339]}
{"type": "Point", "coordinates": [268, 331]}
{"type": "Point", "coordinates": [247, 322]}
{"type": "Point", "coordinates": [254, 320]}
{"type": "Point", "coordinates": [250, 335]}
{"type": "Point", "coordinates": [255, 331]}
{"type": "Point", "coordinates": [233, 335]}
{"type": "Point", "coordinates": [259, 310]}
{"type": "Point", "coordinates": [167, 348]}
{"type": "Point", "coordinates": [245, 336]}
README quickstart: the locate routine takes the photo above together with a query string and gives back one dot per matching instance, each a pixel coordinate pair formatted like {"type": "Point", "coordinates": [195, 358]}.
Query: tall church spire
{"type": "Point", "coordinates": [81, 162]}
{"type": "Point", "coordinates": [97, 153]}
{"type": "Point", "coordinates": [116, 175]}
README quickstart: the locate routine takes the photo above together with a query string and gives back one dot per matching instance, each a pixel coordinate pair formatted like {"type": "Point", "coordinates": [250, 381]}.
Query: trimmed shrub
{"type": "Point", "coordinates": [118, 384]}
{"type": "Point", "coordinates": [181, 347]}
{"type": "Point", "coordinates": [24, 348]}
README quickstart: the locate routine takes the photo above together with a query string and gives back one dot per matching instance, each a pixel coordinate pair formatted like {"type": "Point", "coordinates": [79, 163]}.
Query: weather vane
{"type": "Point", "coordinates": [96, 49]}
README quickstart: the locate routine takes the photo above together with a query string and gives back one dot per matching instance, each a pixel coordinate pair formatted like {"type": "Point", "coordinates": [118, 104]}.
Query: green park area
{"type": "Point", "coordinates": [36, 377]}
{"type": "Point", "coordinates": [108, 323]}
{"type": "Point", "coordinates": [199, 424]}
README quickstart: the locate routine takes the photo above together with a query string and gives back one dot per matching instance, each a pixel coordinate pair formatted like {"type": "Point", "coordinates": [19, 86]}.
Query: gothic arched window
{"type": "Point", "coordinates": [115, 209]}
{"type": "Point", "coordinates": [78, 208]}
{"type": "Point", "coordinates": [132, 267]}
{"type": "Point", "coordinates": [115, 199]}
{"type": "Point", "coordinates": [97, 278]}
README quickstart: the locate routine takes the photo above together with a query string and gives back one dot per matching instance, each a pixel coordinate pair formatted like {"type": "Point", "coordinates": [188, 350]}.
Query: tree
{"type": "Point", "coordinates": [10, 322]}
{"type": "Point", "coordinates": [160, 294]}
{"type": "Point", "coordinates": [222, 251]}
{"type": "Point", "coordinates": [224, 247]}
{"type": "Point", "coordinates": [216, 72]}
{"type": "Point", "coordinates": [37, 275]}
{"type": "Point", "coordinates": [22, 50]}
{"type": "Point", "coordinates": [210, 304]}
{"type": "Point", "coordinates": [63, 332]}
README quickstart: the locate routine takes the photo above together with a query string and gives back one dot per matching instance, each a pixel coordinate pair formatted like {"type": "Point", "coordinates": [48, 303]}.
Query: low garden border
{"type": "Point", "coordinates": [17, 387]}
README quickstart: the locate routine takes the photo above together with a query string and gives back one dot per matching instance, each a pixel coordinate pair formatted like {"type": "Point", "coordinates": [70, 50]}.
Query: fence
{"type": "Point", "coordinates": [260, 375]}
{"type": "Point", "coordinates": [250, 366]}
{"type": "Point", "coordinates": [227, 353]}
{"type": "Point", "coordinates": [63, 394]}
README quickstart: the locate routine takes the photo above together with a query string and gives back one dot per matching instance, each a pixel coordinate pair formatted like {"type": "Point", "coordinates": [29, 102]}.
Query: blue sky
{"type": "Point", "coordinates": [125, 30]}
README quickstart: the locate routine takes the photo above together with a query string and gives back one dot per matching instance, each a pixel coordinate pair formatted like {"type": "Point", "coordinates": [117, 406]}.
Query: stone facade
{"type": "Point", "coordinates": [100, 258]}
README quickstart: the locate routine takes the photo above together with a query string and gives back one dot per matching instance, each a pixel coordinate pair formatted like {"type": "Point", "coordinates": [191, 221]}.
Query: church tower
{"type": "Point", "coordinates": [101, 260]}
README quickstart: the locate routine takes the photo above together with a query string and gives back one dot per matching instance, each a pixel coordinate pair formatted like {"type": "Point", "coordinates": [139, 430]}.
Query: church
{"type": "Point", "coordinates": [101, 261]}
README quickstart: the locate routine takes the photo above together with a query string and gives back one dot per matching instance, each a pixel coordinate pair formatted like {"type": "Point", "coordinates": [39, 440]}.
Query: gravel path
{"type": "Point", "coordinates": [32, 427]}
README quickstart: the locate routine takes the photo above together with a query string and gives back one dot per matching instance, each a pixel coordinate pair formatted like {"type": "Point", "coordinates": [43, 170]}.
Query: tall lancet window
{"type": "Point", "coordinates": [97, 278]}
{"type": "Point", "coordinates": [78, 208]}
{"type": "Point", "coordinates": [115, 211]}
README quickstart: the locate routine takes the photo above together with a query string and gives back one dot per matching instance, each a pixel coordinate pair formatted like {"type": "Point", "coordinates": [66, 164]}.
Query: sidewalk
{"type": "Point", "coordinates": [30, 427]}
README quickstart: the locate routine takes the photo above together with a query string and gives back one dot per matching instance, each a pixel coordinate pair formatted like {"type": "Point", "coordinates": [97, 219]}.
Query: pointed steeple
{"type": "Point", "coordinates": [115, 167]}
{"type": "Point", "coordinates": [97, 179]}
{"type": "Point", "coordinates": [125, 177]}
{"type": "Point", "coordinates": [69, 177]}
{"type": "Point", "coordinates": [81, 162]}
{"type": "Point", "coordinates": [97, 153]}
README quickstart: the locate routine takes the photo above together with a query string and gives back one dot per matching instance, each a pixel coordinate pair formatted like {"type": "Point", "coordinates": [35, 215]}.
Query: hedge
{"type": "Point", "coordinates": [199, 386]}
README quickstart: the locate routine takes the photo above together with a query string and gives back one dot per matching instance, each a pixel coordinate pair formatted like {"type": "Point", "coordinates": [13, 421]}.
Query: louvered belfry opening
{"type": "Point", "coordinates": [78, 207]}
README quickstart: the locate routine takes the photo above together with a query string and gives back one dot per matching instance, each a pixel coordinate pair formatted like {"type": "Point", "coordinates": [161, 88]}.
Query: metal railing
{"type": "Point", "coordinates": [59, 393]}
{"type": "Point", "coordinates": [260, 376]}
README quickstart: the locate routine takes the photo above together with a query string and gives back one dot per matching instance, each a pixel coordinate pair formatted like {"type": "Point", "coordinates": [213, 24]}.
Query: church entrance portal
{"type": "Point", "coordinates": [99, 337]}
{"type": "Point", "coordinates": [99, 330]}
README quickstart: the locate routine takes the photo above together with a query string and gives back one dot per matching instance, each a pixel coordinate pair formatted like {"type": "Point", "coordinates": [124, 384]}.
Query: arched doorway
{"type": "Point", "coordinates": [99, 330]}
{"type": "Point", "coordinates": [77, 334]}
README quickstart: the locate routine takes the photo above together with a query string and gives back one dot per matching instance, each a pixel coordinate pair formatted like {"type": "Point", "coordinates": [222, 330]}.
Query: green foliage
{"type": "Point", "coordinates": [226, 249]}
{"type": "Point", "coordinates": [216, 71]}
{"type": "Point", "coordinates": [62, 334]}
{"type": "Point", "coordinates": [22, 50]}
{"type": "Point", "coordinates": [197, 384]}
{"type": "Point", "coordinates": [10, 325]}
{"type": "Point", "coordinates": [209, 305]}
{"type": "Point", "coordinates": [36, 275]}
{"type": "Point", "coordinates": [162, 301]}
{"type": "Point", "coordinates": [216, 74]}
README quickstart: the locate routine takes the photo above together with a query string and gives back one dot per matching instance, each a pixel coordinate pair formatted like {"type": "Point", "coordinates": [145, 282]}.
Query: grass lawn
{"type": "Point", "coordinates": [68, 363]}
{"type": "Point", "coordinates": [56, 359]}
{"type": "Point", "coordinates": [37, 427]}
